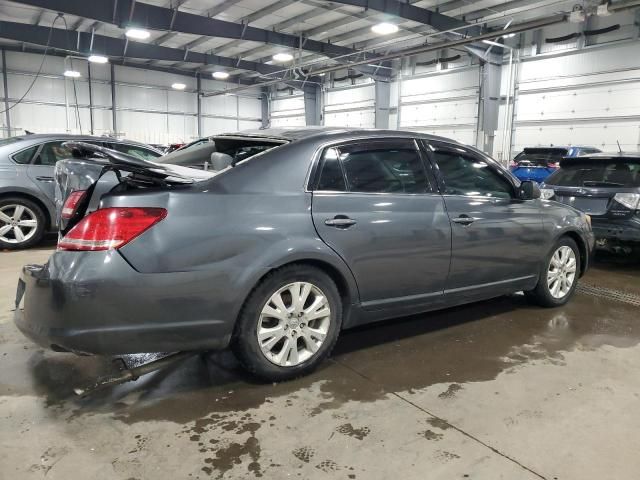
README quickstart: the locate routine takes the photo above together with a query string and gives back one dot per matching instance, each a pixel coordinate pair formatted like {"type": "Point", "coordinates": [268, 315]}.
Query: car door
{"type": "Point", "coordinates": [374, 205]}
{"type": "Point", "coordinates": [497, 238]}
{"type": "Point", "coordinates": [42, 166]}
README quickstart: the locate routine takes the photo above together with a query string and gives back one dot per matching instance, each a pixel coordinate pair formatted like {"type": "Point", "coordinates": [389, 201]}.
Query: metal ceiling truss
{"type": "Point", "coordinates": [127, 12]}
{"type": "Point", "coordinates": [86, 43]}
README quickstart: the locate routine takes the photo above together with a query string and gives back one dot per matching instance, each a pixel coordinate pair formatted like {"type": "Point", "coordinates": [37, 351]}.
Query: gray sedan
{"type": "Point", "coordinates": [27, 209]}
{"type": "Point", "coordinates": [275, 253]}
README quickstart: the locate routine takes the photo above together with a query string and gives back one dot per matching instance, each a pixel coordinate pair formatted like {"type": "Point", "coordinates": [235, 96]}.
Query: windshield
{"type": "Point", "coordinates": [597, 173]}
{"type": "Point", "coordinates": [539, 157]}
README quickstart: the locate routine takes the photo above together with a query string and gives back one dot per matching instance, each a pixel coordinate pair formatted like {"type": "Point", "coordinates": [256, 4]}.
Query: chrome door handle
{"type": "Point", "coordinates": [465, 220]}
{"type": "Point", "coordinates": [340, 222]}
{"type": "Point", "coordinates": [44, 179]}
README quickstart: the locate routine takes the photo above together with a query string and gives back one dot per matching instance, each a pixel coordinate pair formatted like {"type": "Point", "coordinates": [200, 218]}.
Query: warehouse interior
{"type": "Point", "coordinates": [495, 389]}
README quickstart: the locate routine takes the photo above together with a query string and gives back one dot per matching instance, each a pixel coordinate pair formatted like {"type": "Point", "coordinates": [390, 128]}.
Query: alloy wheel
{"type": "Point", "coordinates": [562, 272]}
{"type": "Point", "coordinates": [293, 324]}
{"type": "Point", "coordinates": [18, 223]}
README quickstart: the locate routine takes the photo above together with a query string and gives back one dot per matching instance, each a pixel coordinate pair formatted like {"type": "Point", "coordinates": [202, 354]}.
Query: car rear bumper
{"type": "Point", "coordinates": [95, 302]}
{"type": "Point", "coordinates": [619, 231]}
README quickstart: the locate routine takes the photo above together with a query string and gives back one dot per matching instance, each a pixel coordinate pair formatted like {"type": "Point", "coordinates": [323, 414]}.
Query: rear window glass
{"type": "Point", "coordinates": [539, 157]}
{"type": "Point", "coordinates": [600, 173]}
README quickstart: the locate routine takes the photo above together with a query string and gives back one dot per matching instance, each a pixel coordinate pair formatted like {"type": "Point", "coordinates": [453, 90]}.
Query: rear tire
{"type": "Point", "coordinates": [278, 338]}
{"type": "Point", "coordinates": [559, 276]}
{"type": "Point", "coordinates": [22, 223]}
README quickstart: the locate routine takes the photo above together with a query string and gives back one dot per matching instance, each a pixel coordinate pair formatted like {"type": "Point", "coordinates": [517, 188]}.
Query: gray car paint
{"type": "Point", "coordinates": [181, 284]}
{"type": "Point", "coordinates": [36, 181]}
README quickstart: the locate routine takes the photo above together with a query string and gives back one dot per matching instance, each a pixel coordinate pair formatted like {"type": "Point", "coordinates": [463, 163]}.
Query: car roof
{"type": "Point", "coordinates": [67, 136]}
{"type": "Point", "coordinates": [292, 134]}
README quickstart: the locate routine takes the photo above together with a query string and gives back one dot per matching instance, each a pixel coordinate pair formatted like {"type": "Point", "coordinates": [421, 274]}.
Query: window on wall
{"type": "Point", "coordinates": [466, 175]}
{"type": "Point", "coordinates": [51, 153]}
{"type": "Point", "coordinates": [378, 167]}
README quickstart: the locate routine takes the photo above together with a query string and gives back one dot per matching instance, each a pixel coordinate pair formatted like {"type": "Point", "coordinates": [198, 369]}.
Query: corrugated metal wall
{"type": "Point", "coordinates": [147, 108]}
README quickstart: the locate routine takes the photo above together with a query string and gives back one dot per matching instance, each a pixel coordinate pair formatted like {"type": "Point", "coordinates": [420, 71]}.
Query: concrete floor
{"type": "Point", "coordinates": [493, 390]}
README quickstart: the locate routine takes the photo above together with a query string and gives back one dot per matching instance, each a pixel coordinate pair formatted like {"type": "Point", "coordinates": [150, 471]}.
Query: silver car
{"type": "Point", "coordinates": [27, 209]}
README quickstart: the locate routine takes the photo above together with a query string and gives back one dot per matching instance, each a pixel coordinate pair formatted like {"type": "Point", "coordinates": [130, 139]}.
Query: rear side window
{"type": "Point", "coordinates": [51, 153]}
{"type": "Point", "coordinates": [24, 157]}
{"type": "Point", "coordinates": [374, 167]}
{"type": "Point", "coordinates": [596, 173]}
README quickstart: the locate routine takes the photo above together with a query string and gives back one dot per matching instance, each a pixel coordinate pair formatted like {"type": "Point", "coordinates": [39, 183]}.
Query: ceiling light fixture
{"type": "Point", "coordinates": [98, 59]}
{"type": "Point", "coordinates": [178, 86]}
{"type": "Point", "coordinates": [384, 28]}
{"type": "Point", "coordinates": [137, 33]}
{"type": "Point", "coordinates": [220, 75]}
{"type": "Point", "coordinates": [283, 57]}
{"type": "Point", "coordinates": [71, 74]}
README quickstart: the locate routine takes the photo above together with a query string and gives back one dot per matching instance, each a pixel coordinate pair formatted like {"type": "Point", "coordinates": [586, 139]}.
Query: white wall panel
{"type": "Point", "coordinates": [351, 106]}
{"type": "Point", "coordinates": [288, 111]}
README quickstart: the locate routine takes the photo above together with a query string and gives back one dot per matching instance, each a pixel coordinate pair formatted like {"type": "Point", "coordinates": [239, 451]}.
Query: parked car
{"type": "Point", "coordinates": [27, 208]}
{"type": "Point", "coordinates": [275, 254]}
{"type": "Point", "coordinates": [607, 187]}
{"type": "Point", "coordinates": [538, 163]}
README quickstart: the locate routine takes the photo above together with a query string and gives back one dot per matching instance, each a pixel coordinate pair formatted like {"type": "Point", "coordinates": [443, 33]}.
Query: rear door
{"type": "Point", "coordinates": [41, 168]}
{"type": "Point", "coordinates": [374, 205]}
{"type": "Point", "coordinates": [496, 238]}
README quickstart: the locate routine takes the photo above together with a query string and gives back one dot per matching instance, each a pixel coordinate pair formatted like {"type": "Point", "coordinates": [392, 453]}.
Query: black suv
{"type": "Point", "coordinates": [607, 187]}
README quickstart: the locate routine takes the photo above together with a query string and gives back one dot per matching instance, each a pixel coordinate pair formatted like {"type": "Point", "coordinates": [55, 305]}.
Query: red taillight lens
{"type": "Point", "coordinates": [71, 203]}
{"type": "Point", "coordinates": [111, 228]}
{"type": "Point", "coordinates": [553, 165]}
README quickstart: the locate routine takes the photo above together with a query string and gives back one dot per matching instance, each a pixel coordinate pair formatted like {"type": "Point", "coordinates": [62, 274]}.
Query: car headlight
{"type": "Point", "coordinates": [546, 193]}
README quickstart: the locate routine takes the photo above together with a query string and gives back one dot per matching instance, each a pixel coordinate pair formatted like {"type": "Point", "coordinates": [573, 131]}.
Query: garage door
{"type": "Point", "coordinates": [288, 111]}
{"type": "Point", "coordinates": [352, 106]}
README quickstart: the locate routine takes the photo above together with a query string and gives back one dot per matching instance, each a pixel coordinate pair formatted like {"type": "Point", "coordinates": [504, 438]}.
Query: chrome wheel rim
{"type": "Point", "coordinates": [562, 272]}
{"type": "Point", "coordinates": [17, 223]}
{"type": "Point", "coordinates": [293, 324]}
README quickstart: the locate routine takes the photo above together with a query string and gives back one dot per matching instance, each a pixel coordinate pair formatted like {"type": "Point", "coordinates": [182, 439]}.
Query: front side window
{"type": "Point", "coordinates": [375, 167]}
{"type": "Point", "coordinates": [135, 151]}
{"type": "Point", "coordinates": [24, 157]}
{"type": "Point", "coordinates": [51, 153]}
{"type": "Point", "coordinates": [470, 176]}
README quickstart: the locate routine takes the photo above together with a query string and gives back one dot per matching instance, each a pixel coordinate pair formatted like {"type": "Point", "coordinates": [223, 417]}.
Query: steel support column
{"type": "Point", "coordinates": [312, 104]}
{"type": "Point", "coordinates": [6, 93]}
{"type": "Point", "coordinates": [488, 109]}
{"type": "Point", "coordinates": [383, 94]}
{"type": "Point", "coordinates": [199, 104]}
{"type": "Point", "coordinates": [114, 120]}
{"type": "Point", "coordinates": [90, 97]}
{"type": "Point", "coordinates": [266, 114]}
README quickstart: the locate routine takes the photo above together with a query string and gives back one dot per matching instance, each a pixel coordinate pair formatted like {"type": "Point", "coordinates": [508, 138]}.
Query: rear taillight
{"type": "Point", "coordinates": [629, 200]}
{"type": "Point", "coordinates": [513, 164]}
{"type": "Point", "coordinates": [71, 203]}
{"type": "Point", "coordinates": [109, 228]}
{"type": "Point", "coordinates": [553, 165]}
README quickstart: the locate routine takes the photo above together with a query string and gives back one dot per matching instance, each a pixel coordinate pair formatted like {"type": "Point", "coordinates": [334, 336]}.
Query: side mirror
{"type": "Point", "coordinates": [528, 190]}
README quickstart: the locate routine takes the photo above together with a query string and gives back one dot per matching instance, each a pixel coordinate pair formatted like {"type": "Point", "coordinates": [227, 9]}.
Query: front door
{"type": "Point", "coordinates": [497, 238]}
{"type": "Point", "coordinates": [374, 205]}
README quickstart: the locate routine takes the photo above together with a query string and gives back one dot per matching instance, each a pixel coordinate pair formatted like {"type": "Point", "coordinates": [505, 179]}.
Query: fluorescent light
{"type": "Point", "coordinates": [220, 75]}
{"type": "Point", "coordinates": [137, 33]}
{"type": "Point", "coordinates": [178, 86]}
{"type": "Point", "coordinates": [71, 74]}
{"type": "Point", "coordinates": [509, 35]}
{"type": "Point", "coordinates": [283, 57]}
{"type": "Point", "coordinates": [98, 59]}
{"type": "Point", "coordinates": [384, 28]}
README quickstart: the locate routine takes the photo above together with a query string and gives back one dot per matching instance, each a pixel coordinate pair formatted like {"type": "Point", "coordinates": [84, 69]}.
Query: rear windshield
{"type": "Point", "coordinates": [597, 173]}
{"type": "Point", "coordinates": [539, 157]}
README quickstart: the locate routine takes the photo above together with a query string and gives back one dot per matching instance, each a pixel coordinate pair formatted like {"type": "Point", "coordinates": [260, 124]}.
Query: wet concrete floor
{"type": "Point", "coordinates": [498, 389]}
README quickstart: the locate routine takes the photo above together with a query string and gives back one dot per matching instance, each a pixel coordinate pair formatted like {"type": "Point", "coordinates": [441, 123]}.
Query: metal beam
{"type": "Point", "coordinates": [416, 14]}
{"type": "Point", "coordinates": [7, 112]}
{"type": "Point", "coordinates": [218, 9]}
{"type": "Point", "coordinates": [90, 97]}
{"type": "Point", "coordinates": [199, 105]}
{"type": "Point", "coordinates": [312, 104]}
{"type": "Point", "coordinates": [382, 99]}
{"type": "Point", "coordinates": [264, 102]}
{"type": "Point", "coordinates": [161, 18]}
{"type": "Point", "coordinates": [114, 47]}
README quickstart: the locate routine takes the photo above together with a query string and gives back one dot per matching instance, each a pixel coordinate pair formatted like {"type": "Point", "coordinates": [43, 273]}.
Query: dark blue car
{"type": "Point", "coordinates": [537, 163]}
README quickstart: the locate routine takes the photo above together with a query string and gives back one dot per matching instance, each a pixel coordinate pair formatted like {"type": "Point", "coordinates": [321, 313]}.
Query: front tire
{"type": "Point", "coordinates": [559, 277]}
{"type": "Point", "coordinates": [22, 223]}
{"type": "Point", "coordinates": [289, 324]}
